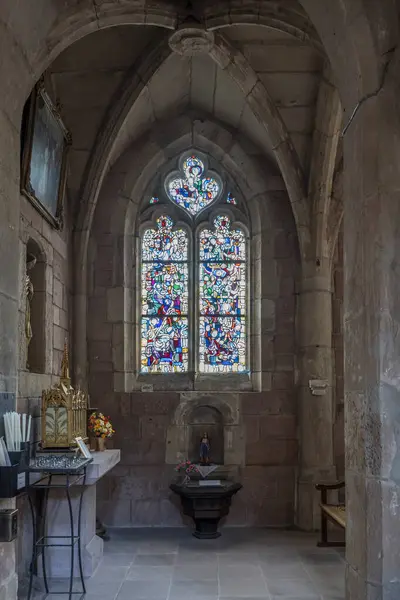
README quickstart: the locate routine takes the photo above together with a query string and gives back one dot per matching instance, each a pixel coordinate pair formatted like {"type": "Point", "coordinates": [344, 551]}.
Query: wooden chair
{"type": "Point", "coordinates": [335, 513]}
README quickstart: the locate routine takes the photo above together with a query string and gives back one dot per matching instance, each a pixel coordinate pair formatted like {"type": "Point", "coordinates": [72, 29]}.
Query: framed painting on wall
{"type": "Point", "coordinates": [44, 159]}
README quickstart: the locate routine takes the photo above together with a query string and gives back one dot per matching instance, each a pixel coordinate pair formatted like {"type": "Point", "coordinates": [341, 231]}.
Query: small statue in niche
{"type": "Point", "coordinates": [205, 450]}
{"type": "Point", "coordinates": [29, 291]}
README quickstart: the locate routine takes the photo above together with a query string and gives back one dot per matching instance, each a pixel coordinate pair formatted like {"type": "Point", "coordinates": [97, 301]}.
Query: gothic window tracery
{"type": "Point", "coordinates": [193, 300]}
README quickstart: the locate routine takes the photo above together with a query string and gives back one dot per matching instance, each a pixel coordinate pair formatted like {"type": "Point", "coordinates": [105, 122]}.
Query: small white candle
{"type": "Point", "coordinates": [28, 435]}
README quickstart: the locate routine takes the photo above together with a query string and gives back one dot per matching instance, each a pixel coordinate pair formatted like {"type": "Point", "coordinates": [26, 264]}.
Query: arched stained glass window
{"type": "Point", "coordinates": [194, 315]}
{"type": "Point", "coordinates": [222, 298]}
{"type": "Point", "coordinates": [164, 279]}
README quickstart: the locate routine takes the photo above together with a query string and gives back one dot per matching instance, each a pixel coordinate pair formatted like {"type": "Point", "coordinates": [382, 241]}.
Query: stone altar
{"type": "Point", "coordinates": [206, 505]}
{"type": "Point", "coordinates": [57, 558]}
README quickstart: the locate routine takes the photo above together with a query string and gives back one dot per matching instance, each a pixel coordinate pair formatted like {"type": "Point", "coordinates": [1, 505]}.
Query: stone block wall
{"type": "Point", "coordinates": [56, 297]}
{"type": "Point", "coordinates": [338, 354]}
{"type": "Point", "coordinates": [264, 448]}
{"type": "Point", "coordinates": [137, 493]}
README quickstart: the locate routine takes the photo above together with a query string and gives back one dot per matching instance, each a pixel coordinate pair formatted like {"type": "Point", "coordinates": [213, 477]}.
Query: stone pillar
{"type": "Point", "coordinates": [9, 280]}
{"type": "Point", "coordinates": [315, 393]}
{"type": "Point", "coordinates": [372, 345]}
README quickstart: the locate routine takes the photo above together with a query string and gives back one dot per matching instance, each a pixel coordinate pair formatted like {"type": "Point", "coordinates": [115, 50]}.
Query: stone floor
{"type": "Point", "coordinates": [170, 564]}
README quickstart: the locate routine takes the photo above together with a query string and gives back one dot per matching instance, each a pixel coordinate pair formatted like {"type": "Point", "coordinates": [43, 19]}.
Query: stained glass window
{"type": "Point", "coordinates": [222, 299]}
{"type": "Point", "coordinates": [230, 199]}
{"type": "Point", "coordinates": [164, 281]}
{"type": "Point", "coordinates": [192, 190]}
{"type": "Point", "coordinates": [154, 200]}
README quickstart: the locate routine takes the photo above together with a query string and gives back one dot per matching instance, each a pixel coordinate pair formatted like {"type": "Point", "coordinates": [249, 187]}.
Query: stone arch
{"type": "Point", "coordinates": [128, 181]}
{"type": "Point", "coordinates": [228, 406]}
{"type": "Point", "coordinates": [231, 60]}
{"type": "Point", "coordinates": [223, 403]}
{"type": "Point", "coordinates": [236, 65]}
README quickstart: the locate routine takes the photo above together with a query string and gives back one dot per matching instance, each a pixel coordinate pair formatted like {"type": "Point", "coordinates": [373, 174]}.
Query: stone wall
{"type": "Point", "coordinates": [264, 455]}
{"type": "Point", "coordinates": [338, 355]}
{"type": "Point", "coordinates": [56, 298]}
{"type": "Point", "coordinates": [137, 493]}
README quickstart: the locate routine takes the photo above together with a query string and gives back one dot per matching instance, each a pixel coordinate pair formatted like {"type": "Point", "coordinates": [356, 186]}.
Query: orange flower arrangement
{"type": "Point", "coordinates": [100, 426]}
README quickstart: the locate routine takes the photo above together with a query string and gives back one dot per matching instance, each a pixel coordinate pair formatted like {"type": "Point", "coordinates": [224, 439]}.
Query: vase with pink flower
{"type": "Point", "coordinates": [186, 468]}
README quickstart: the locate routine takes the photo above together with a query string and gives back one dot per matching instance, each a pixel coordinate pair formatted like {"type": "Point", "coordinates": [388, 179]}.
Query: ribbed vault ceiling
{"type": "Point", "coordinates": [88, 79]}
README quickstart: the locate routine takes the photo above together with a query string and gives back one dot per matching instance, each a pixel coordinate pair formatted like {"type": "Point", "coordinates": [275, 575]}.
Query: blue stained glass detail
{"type": "Point", "coordinates": [193, 192]}
{"type": "Point", "coordinates": [154, 200]}
{"type": "Point", "coordinates": [164, 289]}
{"type": "Point", "coordinates": [164, 346]}
{"type": "Point", "coordinates": [230, 199]}
{"type": "Point", "coordinates": [223, 243]}
{"type": "Point", "coordinates": [222, 297]}
{"type": "Point", "coordinates": [222, 288]}
{"type": "Point", "coordinates": [164, 275]}
{"type": "Point", "coordinates": [222, 344]}
{"type": "Point", "coordinates": [164, 243]}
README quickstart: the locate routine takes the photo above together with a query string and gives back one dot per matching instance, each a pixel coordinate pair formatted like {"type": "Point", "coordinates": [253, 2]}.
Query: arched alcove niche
{"type": "Point", "coordinates": [218, 415]}
{"type": "Point", "coordinates": [35, 307]}
{"type": "Point", "coordinates": [113, 286]}
{"type": "Point", "coordinates": [208, 420]}
{"type": "Point", "coordinates": [148, 432]}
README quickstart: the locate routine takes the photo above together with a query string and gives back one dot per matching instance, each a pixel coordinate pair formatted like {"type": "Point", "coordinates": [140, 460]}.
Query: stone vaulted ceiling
{"type": "Point", "coordinates": [90, 76]}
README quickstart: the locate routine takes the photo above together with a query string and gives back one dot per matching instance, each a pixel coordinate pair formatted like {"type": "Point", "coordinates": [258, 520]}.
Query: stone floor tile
{"type": "Point", "coordinates": [238, 587]}
{"type": "Point", "coordinates": [322, 558]}
{"type": "Point", "coordinates": [179, 597]}
{"type": "Point", "coordinates": [237, 558]}
{"type": "Point", "coordinates": [196, 558]}
{"type": "Point", "coordinates": [158, 547]}
{"type": "Point", "coordinates": [238, 571]}
{"type": "Point", "coordinates": [201, 572]}
{"type": "Point", "coordinates": [110, 573]}
{"type": "Point", "coordinates": [120, 547]}
{"type": "Point", "coordinates": [292, 588]}
{"type": "Point", "coordinates": [155, 560]}
{"type": "Point", "coordinates": [144, 590]}
{"type": "Point", "coordinates": [182, 590]}
{"type": "Point", "coordinates": [296, 597]}
{"type": "Point", "coordinates": [146, 573]}
{"type": "Point", "coordinates": [289, 570]}
{"type": "Point", "coordinates": [116, 560]}
{"type": "Point", "coordinates": [94, 586]}
{"type": "Point", "coordinates": [248, 564]}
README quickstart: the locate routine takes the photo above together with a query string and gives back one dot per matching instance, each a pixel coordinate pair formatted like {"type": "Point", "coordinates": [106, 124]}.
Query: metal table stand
{"type": "Point", "coordinates": [56, 477]}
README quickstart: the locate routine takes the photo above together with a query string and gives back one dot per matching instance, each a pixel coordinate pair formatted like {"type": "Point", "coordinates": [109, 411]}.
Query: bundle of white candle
{"type": "Point", "coordinates": [4, 457]}
{"type": "Point", "coordinates": [18, 430]}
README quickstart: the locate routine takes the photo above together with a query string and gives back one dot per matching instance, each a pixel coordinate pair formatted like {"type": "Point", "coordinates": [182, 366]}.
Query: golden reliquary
{"type": "Point", "coordinates": [64, 411]}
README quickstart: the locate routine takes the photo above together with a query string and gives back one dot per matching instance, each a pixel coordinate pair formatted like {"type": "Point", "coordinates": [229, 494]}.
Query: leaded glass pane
{"type": "Point", "coordinates": [222, 299]}
{"type": "Point", "coordinates": [164, 345]}
{"type": "Point", "coordinates": [193, 192]}
{"type": "Point", "coordinates": [222, 344]}
{"type": "Point", "coordinates": [222, 243]}
{"type": "Point", "coordinates": [164, 288]}
{"type": "Point", "coordinates": [164, 243]}
{"type": "Point", "coordinates": [164, 279]}
{"type": "Point", "coordinates": [222, 288]}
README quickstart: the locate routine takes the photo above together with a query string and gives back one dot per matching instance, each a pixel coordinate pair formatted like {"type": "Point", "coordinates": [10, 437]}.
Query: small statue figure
{"type": "Point", "coordinates": [205, 450]}
{"type": "Point", "coordinates": [29, 291]}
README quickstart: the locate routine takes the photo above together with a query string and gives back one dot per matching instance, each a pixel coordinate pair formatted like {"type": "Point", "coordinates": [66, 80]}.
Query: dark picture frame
{"type": "Point", "coordinates": [45, 155]}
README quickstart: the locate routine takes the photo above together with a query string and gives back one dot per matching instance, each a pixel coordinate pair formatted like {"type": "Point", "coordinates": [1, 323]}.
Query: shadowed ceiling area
{"type": "Point", "coordinates": [91, 78]}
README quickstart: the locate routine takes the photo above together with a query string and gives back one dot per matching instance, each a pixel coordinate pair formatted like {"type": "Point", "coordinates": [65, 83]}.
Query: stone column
{"type": "Point", "coordinates": [9, 290]}
{"type": "Point", "coordinates": [315, 394]}
{"type": "Point", "coordinates": [372, 345]}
